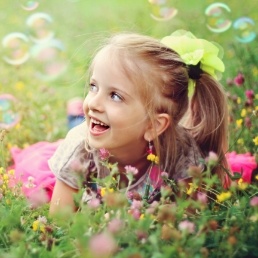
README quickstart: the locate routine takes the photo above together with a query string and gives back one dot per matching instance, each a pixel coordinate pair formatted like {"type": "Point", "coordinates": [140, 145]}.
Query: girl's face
{"type": "Point", "coordinates": [114, 112]}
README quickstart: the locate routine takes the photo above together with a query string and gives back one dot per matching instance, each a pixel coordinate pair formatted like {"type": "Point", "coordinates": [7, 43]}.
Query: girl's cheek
{"type": "Point", "coordinates": [85, 106]}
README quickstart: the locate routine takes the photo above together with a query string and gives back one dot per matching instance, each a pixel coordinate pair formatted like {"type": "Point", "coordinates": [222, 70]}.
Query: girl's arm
{"type": "Point", "coordinates": [62, 198]}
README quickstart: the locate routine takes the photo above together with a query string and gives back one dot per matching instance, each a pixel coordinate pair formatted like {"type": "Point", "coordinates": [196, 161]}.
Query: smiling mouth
{"type": "Point", "coordinates": [98, 126]}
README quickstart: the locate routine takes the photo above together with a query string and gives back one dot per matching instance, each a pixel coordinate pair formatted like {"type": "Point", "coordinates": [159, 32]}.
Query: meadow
{"type": "Point", "coordinates": [44, 56]}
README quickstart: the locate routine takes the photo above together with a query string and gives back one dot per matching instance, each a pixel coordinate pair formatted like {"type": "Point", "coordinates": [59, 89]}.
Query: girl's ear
{"type": "Point", "coordinates": [161, 123]}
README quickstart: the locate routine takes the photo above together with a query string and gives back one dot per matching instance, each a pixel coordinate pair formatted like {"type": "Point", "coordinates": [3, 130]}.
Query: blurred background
{"type": "Point", "coordinates": [46, 47]}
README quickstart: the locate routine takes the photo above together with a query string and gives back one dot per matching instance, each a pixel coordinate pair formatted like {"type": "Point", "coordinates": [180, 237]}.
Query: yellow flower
{"type": "Point", "coordinates": [243, 112]}
{"type": "Point", "coordinates": [239, 100]}
{"type": "Point", "coordinates": [153, 158]}
{"type": "Point", "coordinates": [239, 122]}
{"type": "Point", "coordinates": [18, 126]}
{"type": "Point", "coordinates": [5, 177]}
{"type": "Point", "coordinates": [191, 188]}
{"type": "Point", "coordinates": [36, 225]}
{"type": "Point", "coordinates": [103, 191]}
{"type": "Point", "coordinates": [1, 170]}
{"type": "Point", "coordinates": [240, 141]}
{"type": "Point", "coordinates": [19, 85]}
{"type": "Point", "coordinates": [223, 196]}
{"type": "Point", "coordinates": [255, 140]}
{"type": "Point", "coordinates": [142, 216]}
{"type": "Point", "coordinates": [256, 177]}
{"type": "Point", "coordinates": [255, 71]}
{"type": "Point", "coordinates": [11, 172]}
{"type": "Point", "coordinates": [256, 96]}
{"type": "Point", "coordinates": [241, 184]}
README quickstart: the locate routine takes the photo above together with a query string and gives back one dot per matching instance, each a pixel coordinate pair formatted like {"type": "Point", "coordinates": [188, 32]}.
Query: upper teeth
{"type": "Point", "coordinates": [97, 122]}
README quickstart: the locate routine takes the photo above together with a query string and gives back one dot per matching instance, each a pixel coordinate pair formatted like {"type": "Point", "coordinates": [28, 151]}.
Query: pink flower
{"type": "Point", "coordinates": [37, 198]}
{"type": "Point", "coordinates": [202, 198]}
{"type": "Point", "coordinates": [152, 208]}
{"type": "Point", "coordinates": [242, 163]}
{"type": "Point", "coordinates": [248, 122]}
{"type": "Point", "coordinates": [104, 154]}
{"type": "Point", "coordinates": [135, 213]}
{"type": "Point", "coordinates": [212, 159]}
{"type": "Point", "coordinates": [131, 170]}
{"type": "Point", "coordinates": [254, 201]}
{"type": "Point", "coordinates": [249, 94]}
{"type": "Point", "coordinates": [164, 175]}
{"type": "Point", "coordinates": [102, 245]}
{"type": "Point", "coordinates": [186, 226]}
{"type": "Point", "coordinates": [136, 204]}
{"type": "Point", "coordinates": [94, 203]}
{"type": "Point", "coordinates": [115, 225]}
{"type": "Point", "coordinates": [239, 79]}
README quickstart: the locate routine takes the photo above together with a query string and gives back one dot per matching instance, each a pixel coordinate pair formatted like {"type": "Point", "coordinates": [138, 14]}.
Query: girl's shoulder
{"type": "Point", "coordinates": [71, 157]}
{"type": "Point", "coordinates": [189, 154]}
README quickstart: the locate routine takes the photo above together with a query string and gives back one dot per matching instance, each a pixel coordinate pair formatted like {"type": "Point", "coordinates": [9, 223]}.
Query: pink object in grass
{"type": "Point", "coordinates": [249, 94]}
{"type": "Point", "coordinates": [31, 168]}
{"type": "Point", "coordinates": [75, 107]}
{"type": "Point", "coordinates": [242, 163]}
{"type": "Point", "coordinates": [102, 245]}
{"type": "Point", "coordinates": [239, 79]}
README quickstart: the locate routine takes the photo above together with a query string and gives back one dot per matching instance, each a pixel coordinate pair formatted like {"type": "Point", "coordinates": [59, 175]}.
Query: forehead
{"type": "Point", "coordinates": [114, 61]}
{"type": "Point", "coordinates": [113, 65]}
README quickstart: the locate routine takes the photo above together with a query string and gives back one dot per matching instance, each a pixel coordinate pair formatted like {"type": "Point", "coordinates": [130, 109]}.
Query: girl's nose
{"type": "Point", "coordinates": [94, 102]}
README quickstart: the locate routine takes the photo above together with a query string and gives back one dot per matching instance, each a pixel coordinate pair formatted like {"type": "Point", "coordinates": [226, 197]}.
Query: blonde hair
{"type": "Point", "coordinates": [161, 77]}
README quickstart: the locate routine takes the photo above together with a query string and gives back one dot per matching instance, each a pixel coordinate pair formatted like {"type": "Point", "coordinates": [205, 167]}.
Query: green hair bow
{"type": "Point", "coordinates": [193, 50]}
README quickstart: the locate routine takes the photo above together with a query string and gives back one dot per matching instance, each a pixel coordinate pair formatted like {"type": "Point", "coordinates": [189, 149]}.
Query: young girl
{"type": "Point", "coordinates": [144, 97]}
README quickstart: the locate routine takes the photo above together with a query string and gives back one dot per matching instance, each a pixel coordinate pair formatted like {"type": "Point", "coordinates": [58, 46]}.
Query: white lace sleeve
{"type": "Point", "coordinates": [71, 162]}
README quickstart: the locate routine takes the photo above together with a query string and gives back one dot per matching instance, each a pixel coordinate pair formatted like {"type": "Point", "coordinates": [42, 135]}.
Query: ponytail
{"type": "Point", "coordinates": [208, 120]}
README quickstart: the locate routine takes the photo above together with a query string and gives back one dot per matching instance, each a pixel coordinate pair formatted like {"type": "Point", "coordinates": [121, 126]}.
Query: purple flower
{"type": "Point", "coordinates": [104, 154]}
{"type": "Point", "coordinates": [239, 79]}
{"type": "Point", "coordinates": [249, 94]}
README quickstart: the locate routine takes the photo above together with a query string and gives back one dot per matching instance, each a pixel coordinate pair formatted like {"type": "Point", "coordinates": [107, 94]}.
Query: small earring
{"type": "Point", "coordinates": [150, 149]}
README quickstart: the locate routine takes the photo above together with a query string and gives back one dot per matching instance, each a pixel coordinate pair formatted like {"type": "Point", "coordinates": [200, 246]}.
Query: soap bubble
{"type": "Point", "coordinates": [39, 25]}
{"type": "Point", "coordinates": [161, 11]}
{"type": "Point", "coordinates": [244, 28]}
{"type": "Point", "coordinates": [29, 5]}
{"type": "Point", "coordinates": [218, 17]}
{"type": "Point", "coordinates": [49, 59]}
{"type": "Point", "coordinates": [16, 48]}
{"type": "Point", "coordinates": [8, 116]}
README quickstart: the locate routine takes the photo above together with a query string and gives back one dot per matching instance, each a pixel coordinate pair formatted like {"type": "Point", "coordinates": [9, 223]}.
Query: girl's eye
{"type": "Point", "coordinates": [116, 97]}
{"type": "Point", "coordinates": [93, 87]}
